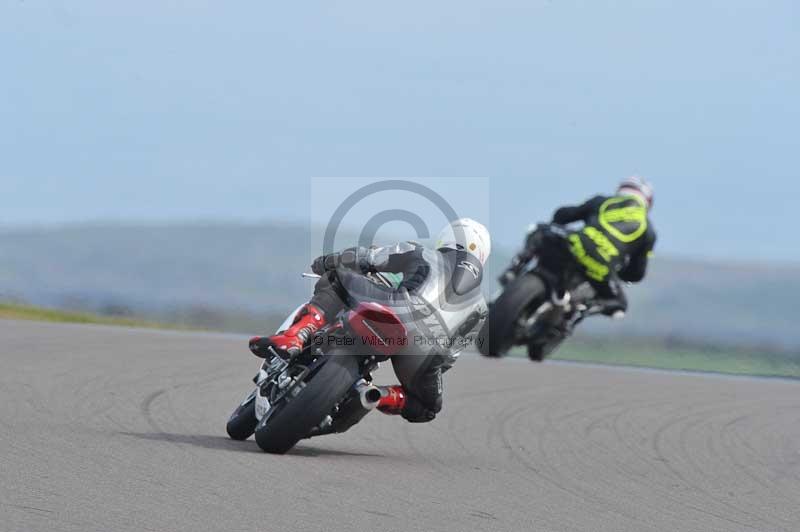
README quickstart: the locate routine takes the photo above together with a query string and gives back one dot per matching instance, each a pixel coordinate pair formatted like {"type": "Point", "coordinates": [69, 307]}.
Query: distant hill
{"type": "Point", "coordinates": [152, 266]}
{"type": "Point", "coordinates": [235, 276]}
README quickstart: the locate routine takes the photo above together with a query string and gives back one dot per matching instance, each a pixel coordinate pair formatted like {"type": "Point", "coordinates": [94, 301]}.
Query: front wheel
{"type": "Point", "coordinates": [498, 333]}
{"type": "Point", "coordinates": [294, 420]}
{"type": "Point", "coordinates": [538, 351]}
{"type": "Point", "coordinates": [242, 422]}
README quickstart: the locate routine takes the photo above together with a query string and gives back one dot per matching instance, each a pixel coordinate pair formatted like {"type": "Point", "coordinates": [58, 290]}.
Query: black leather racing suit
{"type": "Point", "coordinates": [615, 242]}
{"type": "Point", "coordinates": [439, 301]}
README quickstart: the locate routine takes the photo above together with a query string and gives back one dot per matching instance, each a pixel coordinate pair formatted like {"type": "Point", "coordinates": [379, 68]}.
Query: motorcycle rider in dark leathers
{"type": "Point", "coordinates": [615, 242]}
{"type": "Point", "coordinates": [439, 297]}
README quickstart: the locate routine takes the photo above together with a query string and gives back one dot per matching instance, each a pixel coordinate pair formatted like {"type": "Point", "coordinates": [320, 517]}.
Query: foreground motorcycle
{"type": "Point", "coordinates": [544, 296]}
{"type": "Point", "coordinates": [325, 389]}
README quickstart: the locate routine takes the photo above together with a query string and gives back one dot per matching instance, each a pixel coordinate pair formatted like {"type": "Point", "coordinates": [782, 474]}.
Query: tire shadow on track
{"type": "Point", "coordinates": [314, 452]}
{"type": "Point", "coordinates": [223, 443]}
{"type": "Point", "coordinates": [204, 441]}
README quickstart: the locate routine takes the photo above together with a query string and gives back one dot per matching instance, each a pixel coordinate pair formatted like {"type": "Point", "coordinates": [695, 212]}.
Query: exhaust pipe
{"type": "Point", "coordinates": [370, 395]}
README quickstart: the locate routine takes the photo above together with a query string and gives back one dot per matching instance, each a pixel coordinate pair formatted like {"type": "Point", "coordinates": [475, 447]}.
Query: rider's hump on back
{"type": "Point", "coordinates": [466, 272]}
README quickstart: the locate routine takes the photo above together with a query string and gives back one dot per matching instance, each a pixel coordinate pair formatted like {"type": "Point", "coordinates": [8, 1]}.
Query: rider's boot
{"type": "Point", "coordinates": [567, 326]}
{"type": "Point", "coordinates": [613, 308]}
{"type": "Point", "coordinates": [291, 341]}
{"type": "Point", "coordinates": [393, 399]}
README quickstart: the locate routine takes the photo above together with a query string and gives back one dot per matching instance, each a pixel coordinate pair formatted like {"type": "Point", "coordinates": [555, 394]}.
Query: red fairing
{"type": "Point", "coordinates": [378, 327]}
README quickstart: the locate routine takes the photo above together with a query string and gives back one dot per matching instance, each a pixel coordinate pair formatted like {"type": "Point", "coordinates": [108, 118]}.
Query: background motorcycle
{"type": "Point", "coordinates": [544, 296]}
{"type": "Point", "coordinates": [325, 389]}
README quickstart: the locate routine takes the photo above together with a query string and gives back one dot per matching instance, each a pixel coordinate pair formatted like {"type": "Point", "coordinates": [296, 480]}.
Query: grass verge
{"type": "Point", "coordinates": [16, 311]}
{"type": "Point", "coordinates": [687, 359]}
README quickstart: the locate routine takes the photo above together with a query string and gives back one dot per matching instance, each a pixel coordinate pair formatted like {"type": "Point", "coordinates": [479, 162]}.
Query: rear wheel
{"type": "Point", "coordinates": [539, 351]}
{"type": "Point", "coordinates": [498, 333]}
{"type": "Point", "coordinates": [242, 422]}
{"type": "Point", "coordinates": [294, 420]}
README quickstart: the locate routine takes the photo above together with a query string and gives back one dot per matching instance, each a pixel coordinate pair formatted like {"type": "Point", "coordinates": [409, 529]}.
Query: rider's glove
{"type": "Point", "coordinates": [326, 263]}
{"type": "Point", "coordinates": [319, 266]}
{"type": "Point", "coordinates": [352, 258]}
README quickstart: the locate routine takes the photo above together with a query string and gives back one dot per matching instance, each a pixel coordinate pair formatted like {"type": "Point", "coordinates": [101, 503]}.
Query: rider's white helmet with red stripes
{"type": "Point", "coordinates": [468, 235]}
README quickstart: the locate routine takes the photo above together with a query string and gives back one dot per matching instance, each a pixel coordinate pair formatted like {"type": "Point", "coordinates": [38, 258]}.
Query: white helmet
{"type": "Point", "coordinates": [468, 235]}
{"type": "Point", "coordinates": [637, 186]}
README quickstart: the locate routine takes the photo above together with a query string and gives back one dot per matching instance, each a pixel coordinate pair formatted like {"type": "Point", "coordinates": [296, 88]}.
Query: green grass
{"type": "Point", "coordinates": [16, 311]}
{"type": "Point", "coordinates": [735, 362]}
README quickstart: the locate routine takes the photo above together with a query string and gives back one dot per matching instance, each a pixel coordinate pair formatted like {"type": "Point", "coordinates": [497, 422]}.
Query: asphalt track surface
{"type": "Point", "coordinates": [108, 429]}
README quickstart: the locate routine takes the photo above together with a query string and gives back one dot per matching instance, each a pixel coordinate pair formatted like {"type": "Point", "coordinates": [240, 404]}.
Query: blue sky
{"type": "Point", "coordinates": [186, 110]}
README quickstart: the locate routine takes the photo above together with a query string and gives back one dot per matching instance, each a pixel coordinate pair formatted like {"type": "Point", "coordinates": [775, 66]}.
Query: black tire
{"type": "Point", "coordinates": [537, 352]}
{"type": "Point", "coordinates": [242, 423]}
{"type": "Point", "coordinates": [497, 334]}
{"type": "Point", "coordinates": [294, 420]}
